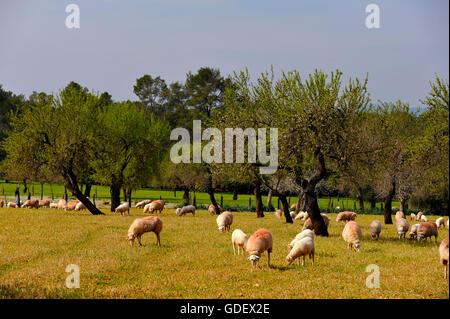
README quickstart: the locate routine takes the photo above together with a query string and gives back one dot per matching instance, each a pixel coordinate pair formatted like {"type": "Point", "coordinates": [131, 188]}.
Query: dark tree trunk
{"type": "Point", "coordinates": [25, 190]}
{"type": "Point", "coordinates": [404, 205]}
{"type": "Point", "coordinates": [286, 207]}
{"type": "Point", "coordinates": [125, 198]}
{"type": "Point", "coordinates": [258, 200]}
{"type": "Point", "coordinates": [115, 196]}
{"type": "Point", "coordinates": [299, 203]}
{"type": "Point", "coordinates": [360, 198]}
{"type": "Point", "coordinates": [235, 194]}
{"type": "Point", "coordinates": [71, 182]}
{"type": "Point", "coordinates": [186, 195]}
{"type": "Point", "coordinates": [373, 203]}
{"type": "Point", "coordinates": [388, 203]}
{"type": "Point", "coordinates": [42, 190]}
{"type": "Point", "coordinates": [87, 190]}
{"type": "Point", "coordinates": [210, 191]}
{"type": "Point", "coordinates": [129, 196]}
{"type": "Point", "coordinates": [65, 192]}
{"type": "Point", "coordinates": [269, 199]}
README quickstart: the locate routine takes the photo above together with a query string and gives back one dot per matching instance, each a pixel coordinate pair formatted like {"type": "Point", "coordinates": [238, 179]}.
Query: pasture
{"type": "Point", "coordinates": [197, 261]}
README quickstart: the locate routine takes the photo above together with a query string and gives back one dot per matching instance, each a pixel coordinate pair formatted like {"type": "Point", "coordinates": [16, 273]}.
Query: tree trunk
{"type": "Point", "coordinates": [87, 190]}
{"type": "Point", "coordinates": [115, 196]}
{"type": "Point", "coordinates": [129, 196]}
{"type": "Point", "coordinates": [269, 198]}
{"type": "Point", "coordinates": [71, 182]}
{"type": "Point", "coordinates": [286, 207]}
{"type": "Point", "coordinates": [373, 203]}
{"type": "Point", "coordinates": [125, 198]}
{"type": "Point", "coordinates": [360, 198]}
{"type": "Point", "coordinates": [258, 200]}
{"type": "Point", "coordinates": [404, 205]}
{"type": "Point", "coordinates": [65, 192]}
{"type": "Point", "coordinates": [299, 203]}
{"type": "Point", "coordinates": [25, 190]}
{"type": "Point", "coordinates": [235, 194]}
{"type": "Point", "coordinates": [388, 204]}
{"type": "Point", "coordinates": [186, 195]}
{"type": "Point", "coordinates": [213, 200]}
{"type": "Point", "coordinates": [42, 190]}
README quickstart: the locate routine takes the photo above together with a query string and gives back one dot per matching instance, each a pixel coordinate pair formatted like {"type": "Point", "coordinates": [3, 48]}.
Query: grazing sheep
{"type": "Point", "coordinates": [427, 229]}
{"type": "Point", "coordinates": [122, 208]}
{"type": "Point", "coordinates": [80, 206]}
{"type": "Point", "coordinates": [145, 225]}
{"type": "Point", "coordinates": [302, 247]}
{"type": "Point", "coordinates": [419, 216]}
{"type": "Point", "coordinates": [413, 216]}
{"type": "Point", "coordinates": [239, 240]}
{"type": "Point", "coordinates": [399, 214]}
{"type": "Point", "coordinates": [278, 213]}
{"type": "Point", "coordinates": [142, 204]}
{"type": "Point", "coordinates": [44, 203]}
{"type": "Point", "coordinates": [346, 216]}
{"type": "Point", "coordinates": [62, 204]}
{"type": "Point", "coordinates": [440, 222]}
{"type": "Point", "coordinates": [224, 221]}
{"type": "Point", "coordinates": [72, 204]}
{"type": "Point", "coordinates": [375, 229]}
{"type": "Point", "coordinates": [413, 231]}
{"type": "Point", "coordinates": [423, 218]}
{"type": "Point", "coordinates": [31, 203]}
{"type": "Point", "coordinates": [293, 215]}
{"type": "Point", "coordinates": [402, 226]}
{"type": "Point", "coordinates": [157, 205]}
{"type": "Point", "coordinates": [309, 225]}
{"type": "Point", "coordinates": [11, 205]}
{"type": "Point", "coordinates": [2, 203]}
{"type": "Point", "coordinates": [259, 242]}
{"type": "Point", "coordinates": [306, 233]}
{"type": "Point", "coordinates": [185, 210]}
{"type": "Point", "coordinates": [352, 235]}
{"type": "Point", "coordinates": [53, 205]}
{"type": "Point", "coordinates": [443, 253]}
{"type": "Point", "coordinates": [302, 216]}
{"type": "Point", "coordinates": [212, 210]}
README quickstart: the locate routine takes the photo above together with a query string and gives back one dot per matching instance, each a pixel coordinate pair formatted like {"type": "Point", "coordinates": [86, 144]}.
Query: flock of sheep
{"type": "Point", "coordinates": [261, 240]}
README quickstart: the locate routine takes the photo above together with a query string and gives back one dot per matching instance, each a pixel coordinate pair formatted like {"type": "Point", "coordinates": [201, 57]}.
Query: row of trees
{"type": "Point", "coordinates": [331, 136]}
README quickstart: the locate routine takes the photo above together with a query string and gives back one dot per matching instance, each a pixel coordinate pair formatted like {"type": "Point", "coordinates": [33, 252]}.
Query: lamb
{"type": "Point", "coordinates": [71, 205]}
{"type": "Point", "coordinates": [301, 248]}
{"type": "Point", "coordinates": [419, 216]}
{"type": "Point", "coordinates": [122, 208]}
{"type": "Point", "coordinates": [413, 231]}
{"type": "Point", "coordinates": [224, 221]}
{"type": "Point", "coordinates": [239, 240]}
{"type": "Point", "coordinates": [423, 218]}
{"type": "Point", "coordinates": [141, 204]}
{"type": "Point", "coordinates": [413, 216]}
{"type": "Point", "coordinates": [53, 205]}
{"type": "Point", "coordinates": [157, 205]}
{"type": "Point", "coordinates": [145, 225]}
{"type": "Point", "coordinates": [375, 229]}
{"type": "Point", "coordinates": [11, 205]}
{"type": "Point", "coordinates": [62, 204]}
{"type": "Point", "coordinates": [302, 216]}
{"type": "Point", "coordinates": [31, 203]}
{"type": "Point", "coordinates": [303, 234]}
{"type": "Point", "coordinates": [399, 214]}
{"type": "Point", "coordinates": [346, 216]}
{"type": "Point", "coordinates": [443, 253]}
{"type": "Point", "coordinates": [212, 210]}
{"type": "Point", "coordinates": [352, 235]}
{"type": "Point", "coordinates": [427, 229]}
{"type": "Point", "coordinates": [440, 222]}
{"type": "Point", "coordinates": [259, 242]}
{"type": "Point", "coordinates": [309, 225]}
{"type": "Point", "coordinates": [80, 206]}
{"type": "Point", "coordinates": [185, 210]}
{"type": "Point", "coordinates": [278, 213]}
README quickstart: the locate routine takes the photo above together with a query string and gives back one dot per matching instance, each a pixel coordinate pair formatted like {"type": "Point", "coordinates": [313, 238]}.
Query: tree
{"type": "Point", "coordinates": [152, 92]}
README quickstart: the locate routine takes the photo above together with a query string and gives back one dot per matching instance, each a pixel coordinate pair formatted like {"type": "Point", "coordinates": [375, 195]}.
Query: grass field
{"type": "Point", "coordinates": [197, 261]}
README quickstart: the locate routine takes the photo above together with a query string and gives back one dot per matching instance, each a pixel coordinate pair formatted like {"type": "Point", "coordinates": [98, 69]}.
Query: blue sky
{"type": "Point", "coordinates": [120, 41]}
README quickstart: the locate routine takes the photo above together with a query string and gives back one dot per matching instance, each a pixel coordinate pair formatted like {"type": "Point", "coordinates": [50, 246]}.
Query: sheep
{"type": "Point", "coordinates": [294, 206]}
{"type": "Point", "coordinates": [303, 234]}
{"type": "Point", "coordinates": [427, 229]}
{"type": "Point", "coordinates": [302, 247]}
{"type": "Point", "coordinates": [375, 229]}
{"type": "Point", "coordinates": [443, 253]}
{"type": "Point", "coordinates": [352, 235]}
{"type": "Point", "coordinates": [11, 205]}
{"type": "Point", "coordinates": [105, 203]}
{"type": "Point", "coordinates": [141, 204]}
{"type": "Point", "coordinates": [53, 205]}
{"type": "Point", "coordinates": [413, 216]}
{"type": "Point", "coordinates": [402, 226]}
{"type": "Point", "coordinates": [224, 221]}
{"type": "Point", "coordinates": [157, 205]}
{"type": "Point", "coordinates": [122, 208]}
{"type": "Point", "coordinates": [423, 218]}
{"type": "Point", "coordinates": [399, 214]}
{"type": "Point", "coordinates": [62, 204]}
{"type": "Point", "coordinates": [212, 210]}
{"type": "Point", "coordinates": [413, 231]}
{"type": "Point", "coordinates": [346, 216]}
{"type": "Point", "coordinates": [293, 215]}
{"type": "Point", "coordinates": [447, 223]}
{"type": "Point", "coordinates": [302, 216]}
{"type": "Point", "coordinates": [2, 203]}
{"type": "Point", "coordinates": [31, 203]}
{"type": "Point", "coordinates": [419, 216]}
{"type": "Point", "coordinates": [185, 210]}
{"type": "Point", "coordinates": [71, 205]}
{"type": "Point", "coordinates": [259, 242]}
{"type": "Point", "coordinates": [239, 240]}
{"type": "Point", "coordinates": [440, 222]}
{"type": "Point", "coordinates": [309, 225]}
{"type": "Point", "coordinates": [44, 203]}
{"type": "Point", "coordinates": [145, 225]}
{"type": "Point", "coordinates": [278, 213]}
{"type": "Point", "coordinates": [80, 206]}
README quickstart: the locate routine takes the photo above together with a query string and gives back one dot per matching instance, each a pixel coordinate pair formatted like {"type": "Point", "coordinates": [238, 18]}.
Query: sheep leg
{"type": "Point", "coordinates": [158, 240]}
{"type": "Point", "coordinates": [139, 239]}
{"type": "Point", "coordinates": [234, 250]}
{"type": "Point", "coordinates": [268, 259]}
{"type": "Point", "coordinates": [311, 256]}
{"type": "Point", "coordinates": [445, 271]}
{"type": "Point", "coordinates": [303, 260]}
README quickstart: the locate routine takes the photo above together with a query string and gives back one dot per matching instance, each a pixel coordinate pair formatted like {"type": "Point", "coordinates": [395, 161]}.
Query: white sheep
{"type": "Point", "coordinates": [352, 235]}
{"type": "Point", "coordinates": [185, 210]}
{"type": "Point", "coordinates": [440, 222]}
{"type": "Point", "coordinates": [302, 247]}
{"type": "Point", "coordinates": [402, 226]}
{"type": "Point", "coordinates": [80, 206]}
{"type": "Point", "coordinates": [144, 225]}
{"type": "Point", "coordinates": [375, 229]}
{"type": "Point", "coordinates": [141, 204]}
{"type": "Point", "coordinates": [125, 207]}
{"type": "Point", "coordinates": [224, 221]}
{"type": "Point", "coordinates": [302, 216]}
{"type": "Point", "coordinates": [443, 254]}
{"type": "Point", "coordinates": [53, 205]}
{"type": "Point", "coordinates": [413, 216]}
{"type": "Point", "coordinates": [11, 205]}
{"type": "Point", "coordinates": [423, 218]}
{"type": "Point", "coordinates": [259, 242]}
{"type": "Point", "coordinates": [292, 213]}
{"type": "Point", "coordinates": [239, 240]}
{"type": "Point", "coordinates": [157, 205]}
{"type": "Point", "coordinates": [413, 231]}
{"type": "Point", "coordinates": [305, 233]}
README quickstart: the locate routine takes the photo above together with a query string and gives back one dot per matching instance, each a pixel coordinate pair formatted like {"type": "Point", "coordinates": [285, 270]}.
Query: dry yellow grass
{"type": "Point", "coordinates": [197, 261]}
